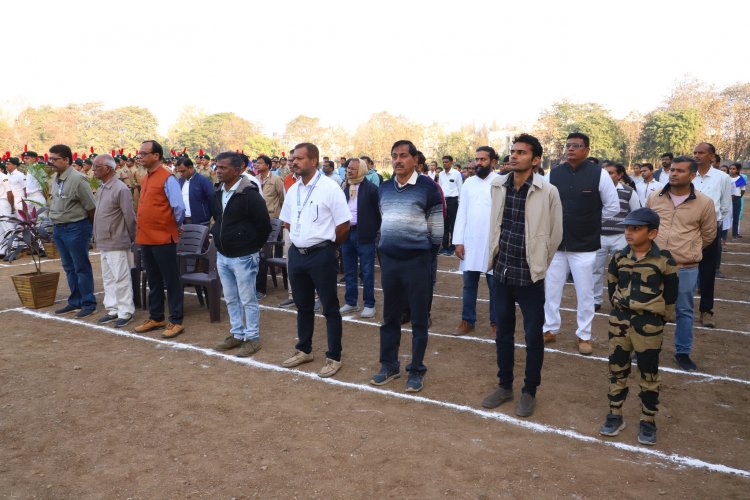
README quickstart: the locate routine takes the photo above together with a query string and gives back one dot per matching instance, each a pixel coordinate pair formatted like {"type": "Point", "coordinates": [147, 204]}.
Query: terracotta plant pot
{"type": "Point", "coordinates": [36, 290]}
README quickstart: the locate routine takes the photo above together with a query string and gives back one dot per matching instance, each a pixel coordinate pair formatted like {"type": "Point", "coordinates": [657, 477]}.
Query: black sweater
{"type": "Point", "coordinates": [243, 227]}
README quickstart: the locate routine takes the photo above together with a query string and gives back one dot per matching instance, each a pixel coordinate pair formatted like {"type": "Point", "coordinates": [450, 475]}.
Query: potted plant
{"type": "Point", "coordinates": [35, 289]}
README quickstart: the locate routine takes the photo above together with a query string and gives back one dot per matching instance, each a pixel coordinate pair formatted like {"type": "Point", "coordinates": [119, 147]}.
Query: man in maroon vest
{"type": "Point", "coordinates": [161, 211]}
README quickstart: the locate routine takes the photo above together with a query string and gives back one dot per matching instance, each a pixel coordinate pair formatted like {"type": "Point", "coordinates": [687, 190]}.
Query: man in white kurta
{"type": "Point", "coordinates": [470, 236]}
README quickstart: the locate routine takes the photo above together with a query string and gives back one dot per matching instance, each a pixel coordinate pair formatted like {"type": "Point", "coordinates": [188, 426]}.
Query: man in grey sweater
{"type": "Point", "coordinates": [114, 233]}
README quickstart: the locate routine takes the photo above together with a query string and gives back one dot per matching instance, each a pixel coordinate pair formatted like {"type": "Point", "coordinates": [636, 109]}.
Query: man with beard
{"type": "Point", "coordinates": [666, 164]}
{"type": "Point", "coordinates": [471, 236]}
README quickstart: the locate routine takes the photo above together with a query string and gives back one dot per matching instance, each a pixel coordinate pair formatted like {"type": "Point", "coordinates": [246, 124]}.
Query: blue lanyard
{"type": "Point", "coordinates": [309, 192]}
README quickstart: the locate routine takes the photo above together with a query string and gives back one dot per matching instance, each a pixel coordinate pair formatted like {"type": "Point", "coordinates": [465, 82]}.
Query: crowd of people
{"type": "Point", "coordinates": [656, 235]}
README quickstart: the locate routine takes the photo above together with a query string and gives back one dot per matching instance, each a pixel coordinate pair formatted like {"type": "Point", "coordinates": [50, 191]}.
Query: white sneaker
{"type": "Point", "coordinates": [368, 312]}
{"type": "Point", "coordinates": [347, 309]}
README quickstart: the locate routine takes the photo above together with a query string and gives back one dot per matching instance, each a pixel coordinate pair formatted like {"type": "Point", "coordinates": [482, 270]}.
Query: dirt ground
{"type": "Point", "coordinates": [86, 412]}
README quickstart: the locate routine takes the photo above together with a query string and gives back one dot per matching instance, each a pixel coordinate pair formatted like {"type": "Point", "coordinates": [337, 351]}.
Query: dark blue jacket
{"type": "Point", "coordinates": [201, 193]}
{"type": "Point", "coordinates": [368, 211]}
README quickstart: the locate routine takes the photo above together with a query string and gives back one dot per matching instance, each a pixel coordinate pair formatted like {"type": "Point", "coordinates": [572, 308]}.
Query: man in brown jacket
{"type": "Point", "coordinates": [114, 233]}
{"type": "Point", "coordinates": [688, 224]}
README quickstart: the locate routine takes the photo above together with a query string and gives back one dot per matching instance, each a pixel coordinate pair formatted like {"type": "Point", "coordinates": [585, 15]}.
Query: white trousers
{"type": "Point", "coordinates": [611, 243]}
{"type": "Point", "coordinates": [118, 287]}
{"type": "Point", "coordinates": [4, 226]}
{"type": "Point", "coordinates": [581, 265]}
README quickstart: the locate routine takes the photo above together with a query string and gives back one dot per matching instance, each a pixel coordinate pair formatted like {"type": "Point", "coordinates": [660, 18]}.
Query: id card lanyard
{"type": "Point", "coordinates": [300, 208]}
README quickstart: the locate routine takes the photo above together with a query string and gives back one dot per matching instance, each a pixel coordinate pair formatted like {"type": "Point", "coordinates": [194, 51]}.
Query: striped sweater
{"type": "Point", "coordinates": [412, 217]}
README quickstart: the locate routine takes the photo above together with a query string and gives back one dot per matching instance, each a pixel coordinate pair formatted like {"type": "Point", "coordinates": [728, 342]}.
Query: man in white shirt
{"type": "Point", "coordinates": [666, 164]}
{"type": "Point", "coordinates": [34, 190]}
{"type": "Point", "coordinates": [648, 184]}
{"type": "Point", "coordinates": [6, 208]}
{"type": "Point", "coordinates": [718, 186]}
{"type": "Point", "coordinates": [330, 172]}
{"type": "Point", "coordinates": [450, 181]}
{"type": "Point", "coordinates": [587, 195]}
{"type": "Point", "coordinates": [317, 215]}
{"type": "Point", "coordinates": [471, 237]}
{"type": "Point", "coordinates": [17, 181]}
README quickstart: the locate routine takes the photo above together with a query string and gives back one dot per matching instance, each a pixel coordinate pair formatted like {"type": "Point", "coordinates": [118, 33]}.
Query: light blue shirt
{"type": "Point", "coordinates": [174, 195]}
{"type": "Point", "coordinates": [225, 195]}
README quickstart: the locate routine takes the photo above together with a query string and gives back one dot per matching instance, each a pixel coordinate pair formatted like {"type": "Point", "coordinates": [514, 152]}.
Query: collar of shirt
{"type": "Point", "coordinates": [64, 175]}
{"type": "Point", "coordinates": [232, 189]}
{"type": "Point", "coordinates": [509, 181]}
{"type": "Point", "coordinates": [412, 180]}
{"type": "Point", "coordinates": [652, 252]}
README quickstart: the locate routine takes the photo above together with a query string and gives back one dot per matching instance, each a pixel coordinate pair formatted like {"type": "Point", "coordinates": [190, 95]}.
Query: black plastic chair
{"type": "Point", "coordinates": [203, 275]}
{"type": "Point", "coordinates": [275, 260]}
{"type": "Point", "coordinates": [267, 252]}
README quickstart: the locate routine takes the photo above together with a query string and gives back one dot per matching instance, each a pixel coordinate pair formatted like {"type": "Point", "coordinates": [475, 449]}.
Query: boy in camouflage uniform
{"type": "Point", "coordinates": [642, 285]}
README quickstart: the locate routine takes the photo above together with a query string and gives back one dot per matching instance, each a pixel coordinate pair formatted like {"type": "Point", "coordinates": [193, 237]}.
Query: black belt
{"type": "Point", "coordinates": [314, 248]}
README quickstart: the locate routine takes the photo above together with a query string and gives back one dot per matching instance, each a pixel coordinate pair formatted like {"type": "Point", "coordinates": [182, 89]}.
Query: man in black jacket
{"type": "Point", "coordinates": [364, 203]}
{"type": "Point", "coordinates": [241, 229]}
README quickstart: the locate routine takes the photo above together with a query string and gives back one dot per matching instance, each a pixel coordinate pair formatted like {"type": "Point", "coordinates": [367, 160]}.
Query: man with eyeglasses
{"type": "Point", "coordinates": [160, 215]}
{"type": "Point", "coordinates": [586, 195]}
{"type": "Point", "coordinates": [71, 210]}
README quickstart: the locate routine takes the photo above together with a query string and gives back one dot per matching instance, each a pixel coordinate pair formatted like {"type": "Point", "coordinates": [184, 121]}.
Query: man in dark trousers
{"type": "Point", "coordinates": [160, 215]}
{"type": "Point", "coordinates": [317, 216]}
{"type": "Point", "coordinates": [412, 228]}
{"type": "Point", "coordinates": [523, 204]}
{"type": "Point", "coordinates": [197, 192]}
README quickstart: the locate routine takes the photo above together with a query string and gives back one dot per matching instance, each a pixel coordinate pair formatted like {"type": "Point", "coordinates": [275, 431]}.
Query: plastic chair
{"type": "Point", "coordinates": [204, 275]}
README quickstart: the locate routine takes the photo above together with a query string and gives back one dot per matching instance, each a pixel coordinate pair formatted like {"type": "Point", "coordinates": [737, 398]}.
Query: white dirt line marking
{"type": "Point", "coordinates": [730, 264]}
{"type": "Point", "coordinates": [681, 460]}
{"type": "Point", "coordinates": [706, 377]}
{"type": "Point", "coordinates": [567, 309]}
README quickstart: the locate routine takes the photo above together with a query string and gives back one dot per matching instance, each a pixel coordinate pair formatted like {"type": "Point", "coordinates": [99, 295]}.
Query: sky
{"type": "Point", "coordinates": [452, 62]}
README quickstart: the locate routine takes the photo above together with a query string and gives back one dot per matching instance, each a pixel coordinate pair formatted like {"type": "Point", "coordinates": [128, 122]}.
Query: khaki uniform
{"type": "Point", "coordinates": [643, 293]}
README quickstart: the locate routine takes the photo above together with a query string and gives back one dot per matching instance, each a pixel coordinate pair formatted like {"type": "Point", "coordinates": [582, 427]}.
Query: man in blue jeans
{"type": "Point", "coordinates": [71, 210]}
{"type": "Point", "coordinates": [471, 236]}
{"type": "Point", "coordinates": [359, 247]}
{"type": "Point", "coordinates": [688, 225]}
{"type": "Point", "coordinates": [525, 231]}
{"type": "Point", "coordinates": [241, 229]}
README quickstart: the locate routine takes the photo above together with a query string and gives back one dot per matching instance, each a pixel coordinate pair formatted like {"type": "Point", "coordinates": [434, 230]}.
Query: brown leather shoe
{"type": "Point", "coordinates": [584, 347]}
{"type": "Point", "coordinates": [248, 348]}
{"type": "Point", "coordinates": [707, 319]}
{"type": "Point", "coordinates": [549, 337]}
{"type": "Point", "coordinates": [149, 325]}
{"type": "Point", "coordinates": [172, 331]}
{"type": "Point", "coordinates": [463, 328]}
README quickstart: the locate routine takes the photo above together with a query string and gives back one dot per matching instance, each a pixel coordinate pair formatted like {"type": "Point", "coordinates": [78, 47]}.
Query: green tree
{"type": "Point", "coordinates": [304, 129]}
{"type": "Point", "coordinates": [376, 136]}
{"type": "Point", "coordinates": [676, 131]}
{"type": "Point", "coordinates": [218, 132]}
{"type": "Point", "coordinates": [737, 121]}
{"type": "Point", "coordinates": [459, 145]}
{"type": "Point", "coordinates": [562, 118]}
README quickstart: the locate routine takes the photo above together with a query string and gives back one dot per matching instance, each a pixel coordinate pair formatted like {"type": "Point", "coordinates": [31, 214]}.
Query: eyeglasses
{"type": "Point", "coordinates": [54, 158]}
{"type": "Point", "coordinates": [143, 153]}
{"type": "Point", "coordinates": [574, 146]}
